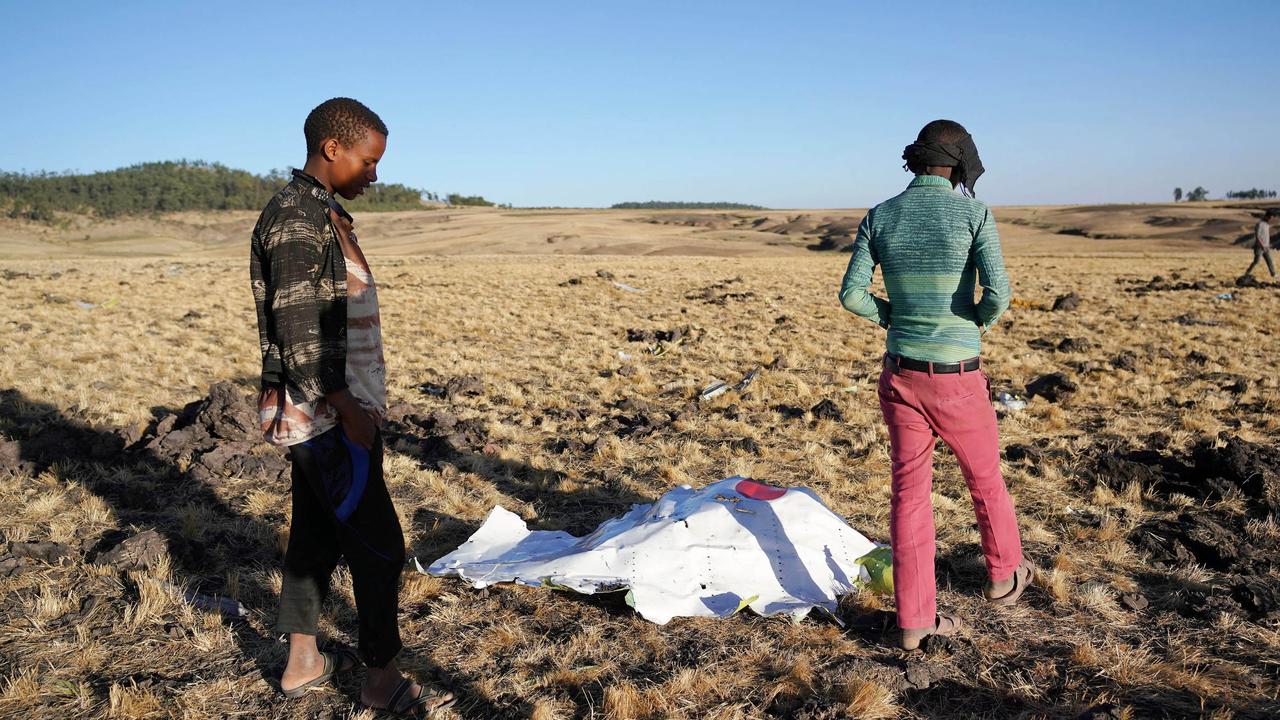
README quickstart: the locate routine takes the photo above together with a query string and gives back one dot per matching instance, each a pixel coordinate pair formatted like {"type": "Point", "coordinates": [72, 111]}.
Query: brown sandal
{"type": "Point", "coordinates": [334, 663]}
{"type": "Point", "coordinates": [1022, 577]}
{"type": "Point", "coordinates": [943, 626]}
{"type": "Point", "coordinates": [429, 700]}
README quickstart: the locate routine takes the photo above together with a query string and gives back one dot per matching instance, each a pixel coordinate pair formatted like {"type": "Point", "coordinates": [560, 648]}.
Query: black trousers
{"type": "Point", "coordinates": [369, 538]}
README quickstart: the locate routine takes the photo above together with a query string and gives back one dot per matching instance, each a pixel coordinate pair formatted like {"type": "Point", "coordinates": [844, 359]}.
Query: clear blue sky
{"type": "Point", "coordinates": [785, 104]}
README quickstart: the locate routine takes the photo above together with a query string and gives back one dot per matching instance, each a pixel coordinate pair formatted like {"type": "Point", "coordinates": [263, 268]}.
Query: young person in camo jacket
{"type": "Point", "coordinates": [932, 244]}
{"type": "Point", "coordinates": [324, 396]}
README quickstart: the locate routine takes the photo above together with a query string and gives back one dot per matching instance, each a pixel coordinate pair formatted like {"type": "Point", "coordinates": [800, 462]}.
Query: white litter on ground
{"type": "Point", "coordinates": [694, 553]}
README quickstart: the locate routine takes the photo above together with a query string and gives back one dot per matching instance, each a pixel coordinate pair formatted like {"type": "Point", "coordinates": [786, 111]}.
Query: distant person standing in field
{"type": "Point", "coordinates": [931, 244]}
{"type": "Point", "coordinates": [324, 396]}
{"type": "Point", "coordinates": [1262, 243]}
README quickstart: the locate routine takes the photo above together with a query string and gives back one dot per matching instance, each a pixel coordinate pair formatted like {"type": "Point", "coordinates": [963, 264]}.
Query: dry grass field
{"type": "Point", "coordinates": [1147, 495]}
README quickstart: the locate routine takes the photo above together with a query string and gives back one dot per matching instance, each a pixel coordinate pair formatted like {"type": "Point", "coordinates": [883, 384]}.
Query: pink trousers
{"type": "Point", "coordinates": [918, 408]}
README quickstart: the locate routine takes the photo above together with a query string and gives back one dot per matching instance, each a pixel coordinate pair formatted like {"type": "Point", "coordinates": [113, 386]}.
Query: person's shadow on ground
{"type": "Point", "coordinates": [155, 482]}
{"type": "Point", "coordinates": [204, 461]}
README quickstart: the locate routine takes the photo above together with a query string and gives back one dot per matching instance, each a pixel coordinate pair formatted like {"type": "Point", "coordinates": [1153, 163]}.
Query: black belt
{"type": "Point", "coordinates": [898, 362]}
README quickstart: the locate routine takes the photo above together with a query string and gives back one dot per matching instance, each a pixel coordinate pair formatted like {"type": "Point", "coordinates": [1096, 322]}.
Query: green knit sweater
{"type": "Point", "coordinates": [931, 244]}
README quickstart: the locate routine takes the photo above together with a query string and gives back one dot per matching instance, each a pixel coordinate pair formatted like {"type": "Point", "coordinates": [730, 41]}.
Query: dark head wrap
{"type": "Point", "coordinates": [961, 155]}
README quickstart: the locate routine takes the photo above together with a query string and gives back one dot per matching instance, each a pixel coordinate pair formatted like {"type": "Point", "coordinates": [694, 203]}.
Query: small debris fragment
{"type": "Point", "coordinates": [432, 389]}
{"type": "Point", "coordinates": [714, 390]}
{"type": "Point", "coordinates": [225, 606]}
{"type": "Point", "coordinates": [746, 379]}
{"type": "Point", "coordinates": [1011, 401]}
{"type": "Point", "coordinates": [1134, 601]}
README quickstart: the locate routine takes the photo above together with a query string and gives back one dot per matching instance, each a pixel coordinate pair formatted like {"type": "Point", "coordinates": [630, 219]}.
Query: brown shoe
{"type": "Point", "coordinates": [1022, 577]}
{"type": "Point", "coordinates": [943, 625]}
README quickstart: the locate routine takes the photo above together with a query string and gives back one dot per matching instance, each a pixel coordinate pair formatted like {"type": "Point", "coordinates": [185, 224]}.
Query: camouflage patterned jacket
{"type": "Point", "coordinates": [300, 289]}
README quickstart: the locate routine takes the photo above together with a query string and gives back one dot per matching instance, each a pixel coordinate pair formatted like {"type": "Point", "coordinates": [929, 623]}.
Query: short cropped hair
{"type": "Point", "coordinates": [343, 119]}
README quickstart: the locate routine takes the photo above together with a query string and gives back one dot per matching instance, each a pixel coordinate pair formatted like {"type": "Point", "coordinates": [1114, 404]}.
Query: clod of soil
{"type": "Point", "coordinates": [1216, 536]}
{"type": "Point", "coordinates": [1159, 284]}
{"type": "Point", "coordinates": [1070, 301]}
{"type": "Point", "coordinates": [436, 433]}
{"type": "Point", "coordinates": [1230, 382]}
{"type": "Point", "coordinates": [1125, 361]}
{"type": "Point", "coordinates": [1193, 319]}
{"type": "Point", "coordinates": [921, 674]}
{"type": "Point", "coordinates": [464, 385]}
{"type": "Point", "coordinates": [48, 552]}
{"type": "Point", "coordinates": [1070, 344]}
{"type": "Point", "coordinates": [789, 412]}
{"type": "Point", "coordinates": [1105, 711]}
{"type": "Point", "coordinates": [135, 553]}
{"type": "Point", "coordinates": [11, 458]}
{"type": "Point", "coordinates": [712, 294]}
{"type": "Point", "coordinates": [654, 336]}
{"type": "Point", "coordinates": [827, 410]}
{"type": "Point", "coordinates": [1054, 387]}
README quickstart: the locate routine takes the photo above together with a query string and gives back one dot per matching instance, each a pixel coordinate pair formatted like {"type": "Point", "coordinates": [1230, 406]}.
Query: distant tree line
{"type": "Point", "coordinates": [166, 187]}
{"type": "Point", "coordinates": [1251, 194]}
{"type": "Point", "coordinates": [1201, 194]}
{"type": "Point", "coordinates": [678, 205]}
{"type": "Point", "coordinates": [1194, 196]}
{"type": "Point", "coordinates": [468, 200]}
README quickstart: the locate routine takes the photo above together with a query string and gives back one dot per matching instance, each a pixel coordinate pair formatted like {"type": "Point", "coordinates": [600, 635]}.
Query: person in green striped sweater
{"type": "Point", "coordinates": [933, 245]}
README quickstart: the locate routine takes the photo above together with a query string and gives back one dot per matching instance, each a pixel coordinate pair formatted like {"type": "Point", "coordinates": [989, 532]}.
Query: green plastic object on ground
{"type": "Point", "coordinates": [878, 568]}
